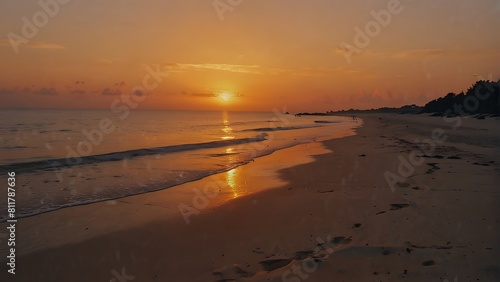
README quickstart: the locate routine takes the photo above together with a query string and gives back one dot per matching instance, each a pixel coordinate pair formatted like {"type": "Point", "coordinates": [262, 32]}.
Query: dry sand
{"type": "Point", "coordinates": [331, 219]}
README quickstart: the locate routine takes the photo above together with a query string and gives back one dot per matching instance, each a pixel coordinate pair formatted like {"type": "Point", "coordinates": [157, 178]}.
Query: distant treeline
{"type": "Point", "coordinates": [482, 98]}
{"type": "Point", "coordinates": [408, 109]}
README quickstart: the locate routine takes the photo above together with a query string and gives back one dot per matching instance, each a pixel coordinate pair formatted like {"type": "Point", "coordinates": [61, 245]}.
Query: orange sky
{"type": "Point", "coordinates": [262, 54]}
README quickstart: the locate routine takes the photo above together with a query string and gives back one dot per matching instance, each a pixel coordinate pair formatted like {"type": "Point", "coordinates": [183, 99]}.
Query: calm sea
{"type": "Point", "coordinates": [70, 157]}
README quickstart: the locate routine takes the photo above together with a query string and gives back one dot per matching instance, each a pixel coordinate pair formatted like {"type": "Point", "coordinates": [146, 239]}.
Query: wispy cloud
{"type": "Point", "coordinates": [176, 67]}
{"type": "Point", "coordinates": [276, 71]}
{"type": "Point", "coordinates": [49, 91]}
{"type": "Point", "coordinates": [78, 92]}
{"type": "Point", "coordinates": [111, 92]}
{"type": "Point", "coordinates": [213, 94]}
{"type": "Point", "coordinates": [204, 95]}
{"type": "Point", "coordinates": [345, 51]}
{"type": "Point", "coordinates": [107, 61]}
{"type": "Point", "coordinates": [46, 91]}
{"type": "Point", "coordinates": [256, 69]}
{"type": "Point", "coordinates": [14, 91]}
{"type": "Point", "coordinates": [418, 53]}
{"type": "Point", "coordinates": [43, 45]}
{"type": "Point", "coordinates": [35, 45]}
{"type": "Point", "coordinates": [323, 71]}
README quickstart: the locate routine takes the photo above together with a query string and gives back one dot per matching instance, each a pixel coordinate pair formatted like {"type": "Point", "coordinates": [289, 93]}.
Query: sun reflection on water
{"type": "Point", "coordinates": [228, 131]}
{"type": "Point", "coordinates": [231, 175]}
{"type": "Point", "coordinates": [231, 181]}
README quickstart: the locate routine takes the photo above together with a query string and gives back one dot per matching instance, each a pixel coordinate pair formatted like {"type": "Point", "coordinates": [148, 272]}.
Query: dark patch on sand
{"type": "Point", "coordinates": [428, 263]}
{"type": "Point", "coordinates": [433, 168]}
{"type": "Point", "coordinates": [258, 251]}
{"type": "Point", "coordinates": [232, 273]}
{"type": "Point", "coordinates": [242, 273]}
{"type": "Point", "coordinates": [436, 247]}
{"type": "Point", "coordinates": [432, 156]}
{"type": "Point", "coordinates": [386, 252]}
{"type": "Point", "coordinates": [273, 264]}
{"type": "Point", "coordinates": [300, 255]}
{"type": "Point", "coordinates": [395, 207]}
{"type": "Point", "coordinates": [476, 163]}
{"type": "Point", "coordinates": [327, 191]}
{"type": "Point", "coordinates": [403, 184]}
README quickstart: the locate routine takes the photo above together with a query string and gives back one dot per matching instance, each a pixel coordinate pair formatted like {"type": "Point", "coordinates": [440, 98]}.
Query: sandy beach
{"type": "Point", "coordinates": [232, 140]}
{"type": "Point", "coordinates": [383, 204]}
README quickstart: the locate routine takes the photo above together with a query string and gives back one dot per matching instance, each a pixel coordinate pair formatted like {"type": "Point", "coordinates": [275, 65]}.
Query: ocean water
{"type": "Point", "coordinates": [64, 158]}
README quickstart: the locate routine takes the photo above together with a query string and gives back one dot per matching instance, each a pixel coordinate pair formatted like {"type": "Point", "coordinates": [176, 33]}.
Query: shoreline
{"type": "Point", "coordinates": [83, 214]}
{"type": "Point", "coordinates": [341, 198]}
{"type": "Point", "coordinates": [155, 187]}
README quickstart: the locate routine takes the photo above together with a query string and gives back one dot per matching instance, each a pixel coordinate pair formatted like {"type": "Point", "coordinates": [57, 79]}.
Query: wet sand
{"type": "Point", "coordinates": [330, 217]}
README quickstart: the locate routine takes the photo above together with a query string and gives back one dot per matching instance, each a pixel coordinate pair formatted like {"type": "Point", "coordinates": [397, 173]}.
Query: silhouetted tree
{"type": "Point", "coordinates": [481, 98]}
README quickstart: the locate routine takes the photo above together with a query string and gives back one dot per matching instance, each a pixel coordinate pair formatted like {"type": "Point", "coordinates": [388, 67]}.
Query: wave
{"type": "Point", "coordinates": [28, 211]}
{"type": "Point", "coordinates": [53, 164]}
{"type": "Point", "coordinates": [236, 123]}
{"type": "Point", "coordinates": [326, 121]}
{"type": "Point", "coordinates": [279, 128]}
{"type": "Point", "coordinates": [14, 147]}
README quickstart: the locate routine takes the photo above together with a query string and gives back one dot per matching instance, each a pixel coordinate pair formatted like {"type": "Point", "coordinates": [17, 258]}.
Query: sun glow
{"type": "Point", "coordinates": [225, 96]}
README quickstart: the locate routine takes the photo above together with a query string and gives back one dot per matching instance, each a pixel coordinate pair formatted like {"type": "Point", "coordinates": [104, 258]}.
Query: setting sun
{"type": "Point", "coordinates": [225, 96]}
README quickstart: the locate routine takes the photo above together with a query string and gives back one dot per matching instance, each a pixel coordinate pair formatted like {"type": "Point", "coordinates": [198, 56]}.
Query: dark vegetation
{"type": "Point", "coordinates": [481, 99]}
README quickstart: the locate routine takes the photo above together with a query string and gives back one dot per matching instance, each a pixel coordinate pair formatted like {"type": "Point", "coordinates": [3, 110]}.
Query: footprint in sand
{"type": "Point", "coordinates": [403, 184]}
{"type": "Point", "coordinates": [301, 255]}
{"type": "Point", "coordinates": [428, 263]}
{"type": "Point", "coordinates": [273, 264]}
{"type": "Point", "coordinates": [327, 191]}
{"type": "Point", "coordinates": [340, 240]}
{"type": "Point", "coordinates": [433, 168]}
{"type": "Point", "coordinates": [386, 252]}
{"type": "Point", "coordinates": [258, 251]}
{"type": "Point", "coordinates": [395, 207]}
{"type": "Point", "coordinates": [231, 273]}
